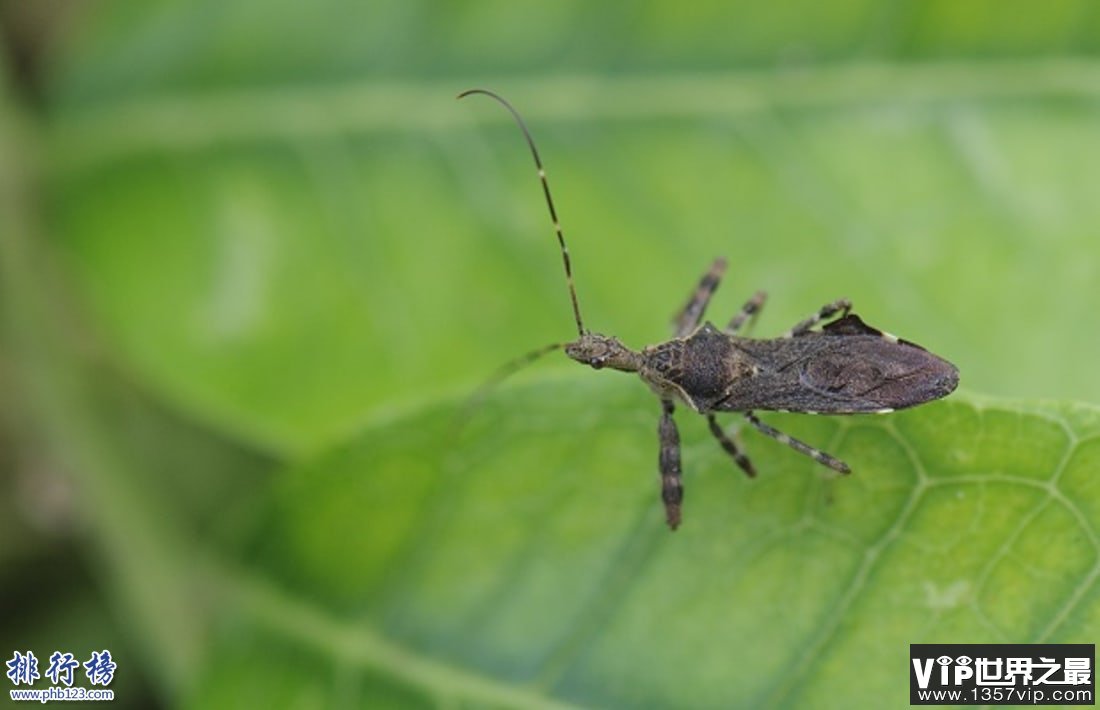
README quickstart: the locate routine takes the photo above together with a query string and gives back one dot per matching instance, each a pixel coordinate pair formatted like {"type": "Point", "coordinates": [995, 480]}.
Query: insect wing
{"type": "Point", "coordinates": [846, 368]}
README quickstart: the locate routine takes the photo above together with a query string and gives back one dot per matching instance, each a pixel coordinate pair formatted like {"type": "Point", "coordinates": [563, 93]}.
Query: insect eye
{"type": "Point", "coordinates": [597, 363]}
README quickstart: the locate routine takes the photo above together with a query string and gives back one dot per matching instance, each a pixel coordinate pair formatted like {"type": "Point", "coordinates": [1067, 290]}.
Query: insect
{"type": "Point", "coordinates": [845, 367]}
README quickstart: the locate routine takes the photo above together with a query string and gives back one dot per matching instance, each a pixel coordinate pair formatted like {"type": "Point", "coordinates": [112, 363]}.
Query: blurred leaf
{"type": "Point", "coordinates": [530, 555]}
{"type": "Point", "coordinates": [287, 246]}
{"type": "Point", "coordinates": [274, 226]}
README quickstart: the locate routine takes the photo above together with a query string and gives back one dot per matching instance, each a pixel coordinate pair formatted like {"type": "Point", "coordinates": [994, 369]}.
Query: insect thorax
{"type": "Point", "coordinates": [698, 369]}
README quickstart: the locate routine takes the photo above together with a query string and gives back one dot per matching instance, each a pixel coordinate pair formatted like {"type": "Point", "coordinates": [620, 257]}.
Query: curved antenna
{"type": "Point", "coordinates": [549, 199]}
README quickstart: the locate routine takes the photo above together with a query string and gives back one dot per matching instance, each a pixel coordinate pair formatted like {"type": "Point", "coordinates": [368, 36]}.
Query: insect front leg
{"type": "Point", "coordinates": [841, 306]}
{"type": "Point", "coordinates": [751, 309]}
{"type": "Point", "coordinates": [731, 448]}
{"type": "Point", "coordinates": [691, 315]}
{"type": "Point", "coordinates": [672, 488]}
{"type": "Point", "coordinates": [819, 456]}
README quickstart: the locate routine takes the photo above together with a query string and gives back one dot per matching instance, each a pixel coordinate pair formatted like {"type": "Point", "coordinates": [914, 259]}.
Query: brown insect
{"type": "Point", "coordinates": [846, 367]}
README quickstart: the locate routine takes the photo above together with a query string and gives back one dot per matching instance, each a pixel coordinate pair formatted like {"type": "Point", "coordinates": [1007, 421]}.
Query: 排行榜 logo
{"type": "Point", "coordinates": [61, 673]}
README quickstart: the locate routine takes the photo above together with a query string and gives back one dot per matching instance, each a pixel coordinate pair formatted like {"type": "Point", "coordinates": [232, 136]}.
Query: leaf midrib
{"type": "Point", "coordinates": [83, 136]}
{"type": "Point", "coordinates": [363, 646]}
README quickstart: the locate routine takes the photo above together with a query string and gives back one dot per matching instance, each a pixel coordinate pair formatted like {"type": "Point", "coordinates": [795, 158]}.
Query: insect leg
{"type": "Point", "coordinates": [819, 456]}
{"type": "Point", "coordinates": [689, 317]}
{"type": "Point", "coordinates": [672, 489]}
{"type": "Point", "coordinates": [841, 306]}
{"type": "Point", "coordinates": [751, 309]}
{"type": "Point", "coordinates": [731, 448]}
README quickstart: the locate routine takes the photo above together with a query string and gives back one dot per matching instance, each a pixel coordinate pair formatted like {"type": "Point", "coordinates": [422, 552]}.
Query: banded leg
{"type": "Point", "coordinates": [731, 448]}
{"type": "Point", "coordinates": [841, 306]}
{"type": "Point", "coordinates": [672, 488]}
{"type": "Point", "coordinates": [691, 315]}
{"type": "Point", "coordinates": [751, 309]}
{"type": "Point", "coordinates": [819, 456]}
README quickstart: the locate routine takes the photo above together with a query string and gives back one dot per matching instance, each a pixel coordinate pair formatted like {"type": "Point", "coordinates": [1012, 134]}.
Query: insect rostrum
{"type": "Point", "coordinates": [845, 367]}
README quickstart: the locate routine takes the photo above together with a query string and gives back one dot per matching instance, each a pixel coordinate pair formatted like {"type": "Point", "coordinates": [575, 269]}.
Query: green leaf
{"type": "Point", "coordinates": [522, 559]}
{"type": "Point", "coordinates": [271, 226]}
{"type": "Point", "coordinates": [285, 247]}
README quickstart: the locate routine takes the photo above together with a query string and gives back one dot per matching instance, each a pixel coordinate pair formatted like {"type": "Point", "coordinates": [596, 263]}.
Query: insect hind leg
{"type": "Point", "coordinates": [841, 306]}
{"type": "Point", "coordinates": [691, 314]}
{"type": "Point", "coordinates": [820, 456]}
{"type": "Point", "coordinates": [730, 447]}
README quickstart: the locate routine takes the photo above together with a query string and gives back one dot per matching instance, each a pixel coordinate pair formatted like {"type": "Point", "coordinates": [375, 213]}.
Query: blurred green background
{"type": "Point", "coordinates": [252, 254]}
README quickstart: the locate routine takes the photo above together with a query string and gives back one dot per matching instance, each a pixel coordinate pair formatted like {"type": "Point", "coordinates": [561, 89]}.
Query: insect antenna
{"type": "Point", "coordinates": [549, 205]}
{"type": "Point", "coordinates": [504, 372]}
